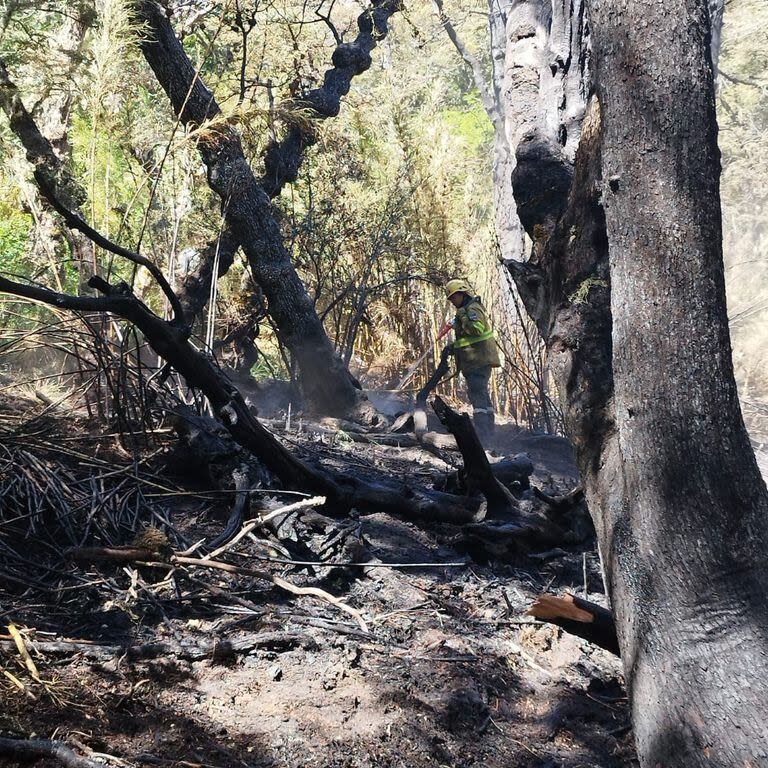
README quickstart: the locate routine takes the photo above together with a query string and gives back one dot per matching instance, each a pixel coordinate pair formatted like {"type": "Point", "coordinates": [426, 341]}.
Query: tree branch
{"type": "Point", "coordinates": [74, 221]}
{"type": "Point", "coordinates": [36, 749]}
{"type": "Point", "coordinates": [486, 97]}
{"type": "Point", "coordinates": [59, 189]}
{"type": "Point", "coordinates": [283, 158]}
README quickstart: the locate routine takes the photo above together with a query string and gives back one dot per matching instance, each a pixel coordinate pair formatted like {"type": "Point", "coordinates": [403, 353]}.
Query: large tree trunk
{"type": "Point", "coordinates": [685, 547]}
{"type": "Point", "coordinates": [630, 299]}
{"type": "Point", "coordinates": [248, 212]}
{"type": "Point", "coordinates": [509, 231]}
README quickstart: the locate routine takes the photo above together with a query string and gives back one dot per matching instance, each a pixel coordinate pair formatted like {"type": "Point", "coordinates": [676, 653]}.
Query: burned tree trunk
{"type": "Point", "coordinates": [684, 545]}
{"type": "Point", "coordinates": [626, 285]}
{"type": "Point", "coordinates": [250, 220]}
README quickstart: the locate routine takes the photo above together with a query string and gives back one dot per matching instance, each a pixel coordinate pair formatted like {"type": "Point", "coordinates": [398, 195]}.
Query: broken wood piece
{"type": "Point", "coordinates": [578, 617]}
{"type": "Point", "coordinates": [235, 519]}
{"type": "Point", "coordinates": [36, 749]}
{"type": "Point", "coordinates": [515, 471]}
{"type": "Point", "coordinates": [479, 475]}
{"type": "Point", "coordinates": [403, 423]}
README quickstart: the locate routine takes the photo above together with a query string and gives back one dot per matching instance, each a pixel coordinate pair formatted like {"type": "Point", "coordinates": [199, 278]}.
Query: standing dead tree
{"type": "Point", "coordinates": [626, 285]}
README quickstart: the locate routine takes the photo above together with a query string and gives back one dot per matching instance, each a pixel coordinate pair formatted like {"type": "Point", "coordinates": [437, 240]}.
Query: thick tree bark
{"type": "Point", "coordinates": [631, 302]}
{"type": "Point", "coordinates": [684, 549]}
{"type": "Point", "coordinates": [247, 210]}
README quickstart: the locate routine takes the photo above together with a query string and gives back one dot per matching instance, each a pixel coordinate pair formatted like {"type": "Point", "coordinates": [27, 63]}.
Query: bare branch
{"type": "Point", "coordinates": [58, 188]}
{"type": "Point", "coordinates": [486, 96]}
{"type": "Point", "coordinates": [74, 221]}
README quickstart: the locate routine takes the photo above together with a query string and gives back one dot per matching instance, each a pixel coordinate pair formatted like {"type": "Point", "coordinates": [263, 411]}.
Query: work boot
{"type": "Point", "coordinates": [484, 424]}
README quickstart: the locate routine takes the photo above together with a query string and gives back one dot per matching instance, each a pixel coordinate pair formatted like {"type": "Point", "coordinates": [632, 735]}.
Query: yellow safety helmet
{"type": "Point", "coordinates": [458, 285]}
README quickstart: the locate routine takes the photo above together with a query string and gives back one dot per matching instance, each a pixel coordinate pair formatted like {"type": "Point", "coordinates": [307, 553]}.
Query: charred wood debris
{"type": "Point", "coordinates": [86, 522]}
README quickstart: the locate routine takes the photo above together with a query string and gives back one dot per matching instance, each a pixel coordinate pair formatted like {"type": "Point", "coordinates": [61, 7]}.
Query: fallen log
{"type": "Point", "coordinates": [507, 540]}
{"type": "Point", "coordinates": [579, 617]}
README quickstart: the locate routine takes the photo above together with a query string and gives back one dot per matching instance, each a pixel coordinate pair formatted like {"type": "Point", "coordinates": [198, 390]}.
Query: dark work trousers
{"type": "Point", "coordinates": [477, 387]}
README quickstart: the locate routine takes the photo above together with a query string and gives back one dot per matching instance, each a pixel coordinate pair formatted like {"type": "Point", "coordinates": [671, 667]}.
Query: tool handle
{"type": "Point", "coordinates": [446, 329]}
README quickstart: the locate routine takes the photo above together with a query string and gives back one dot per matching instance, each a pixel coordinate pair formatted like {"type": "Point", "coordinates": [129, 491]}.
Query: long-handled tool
{"type": "Point", "coordinates": [408, 375]}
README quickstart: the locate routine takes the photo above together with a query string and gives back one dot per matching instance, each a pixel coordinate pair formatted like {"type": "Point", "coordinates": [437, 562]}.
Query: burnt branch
{"type": "Point", "coordinates": [283, 158]}
{"type": "Point", "coordinates": [75, 221]}
{"type": "Point", "coordinates": [479, 475]}
{"type": "Point", "coordinates": [41, 749]}
{"type": "Point", "coordinates": [60, 190]}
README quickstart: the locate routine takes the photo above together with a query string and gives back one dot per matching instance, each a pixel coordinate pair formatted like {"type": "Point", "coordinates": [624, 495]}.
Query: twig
{"type": "Point", "coordinates": [24, 653]}
{"type": "Point", "coordinates": [341, 563]}
{"type": "Point", "coordinates": [323, 595]}
{"type": "Point", "coordinates": [276, 580]}
{"type": "Point", "coordinates": [251, 524]}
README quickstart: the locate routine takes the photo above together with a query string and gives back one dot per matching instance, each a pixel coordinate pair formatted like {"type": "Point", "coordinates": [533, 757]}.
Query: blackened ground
{"type": "Point", "coordinates": [451, 672]}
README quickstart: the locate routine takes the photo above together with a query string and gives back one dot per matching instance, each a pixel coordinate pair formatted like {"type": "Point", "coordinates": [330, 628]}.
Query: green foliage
{"type": "Point", "coordinates": [470, 124]}
{"type": "Point", "coordinates": [15, 228]}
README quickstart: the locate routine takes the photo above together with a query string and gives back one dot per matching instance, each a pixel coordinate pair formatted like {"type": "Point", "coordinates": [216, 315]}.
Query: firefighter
{"type": "Point", "coordinates": [475, 350]}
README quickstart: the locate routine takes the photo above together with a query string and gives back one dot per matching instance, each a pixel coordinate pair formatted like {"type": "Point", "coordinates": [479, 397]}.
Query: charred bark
{"type": "Point", "coordinates": [630, 300]}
